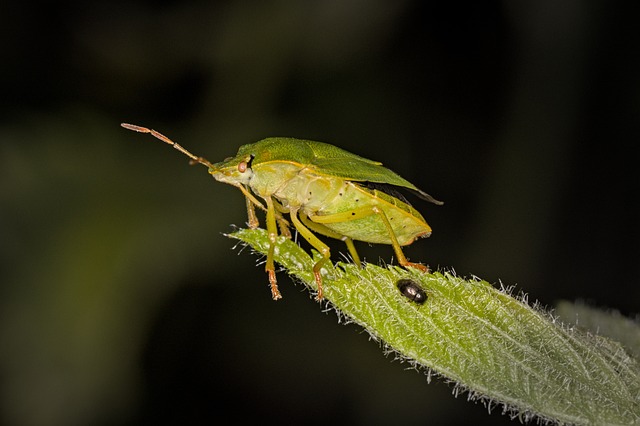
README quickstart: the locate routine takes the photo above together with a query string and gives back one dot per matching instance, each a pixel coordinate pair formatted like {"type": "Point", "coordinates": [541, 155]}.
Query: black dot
{"type": "Point", "coordinates": [411, 290]}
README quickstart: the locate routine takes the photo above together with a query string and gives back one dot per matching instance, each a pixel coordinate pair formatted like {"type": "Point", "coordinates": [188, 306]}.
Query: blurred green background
{"type": "Point", "coordinates": [121, 302]}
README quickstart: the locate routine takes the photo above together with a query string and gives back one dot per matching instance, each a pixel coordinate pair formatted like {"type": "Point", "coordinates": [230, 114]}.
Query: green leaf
{"type": "Point", "coordinates": [489, 343]}
{"type": "Point", "coordinates": [611, 324]}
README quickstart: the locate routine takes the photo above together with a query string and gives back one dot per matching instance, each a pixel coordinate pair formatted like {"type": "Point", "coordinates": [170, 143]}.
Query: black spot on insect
{"type": "Point", "coordinates": [353, 213]}
{"type": "Point", "coordinates": [412, 291]}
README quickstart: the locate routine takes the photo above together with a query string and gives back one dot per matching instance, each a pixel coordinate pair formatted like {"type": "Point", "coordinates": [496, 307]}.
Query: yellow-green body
{"type": "Point", "coordinates": [323, 189]}
{"type": "Point", "coordinates": [317, 194]}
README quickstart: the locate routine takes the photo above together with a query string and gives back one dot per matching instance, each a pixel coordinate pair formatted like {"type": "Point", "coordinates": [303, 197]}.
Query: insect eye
{"type": "Point", "coordinates": [412, 291]}
{"type": "Point", "coordinates": [246, 164]}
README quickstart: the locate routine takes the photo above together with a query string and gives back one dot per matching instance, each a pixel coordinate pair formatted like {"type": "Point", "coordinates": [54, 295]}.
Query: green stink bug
{"type": "Point", "coordinates": [325, 190]}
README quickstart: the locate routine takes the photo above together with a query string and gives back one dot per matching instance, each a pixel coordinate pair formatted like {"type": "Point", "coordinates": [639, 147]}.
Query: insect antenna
{"type": "Point", "coordinates": [194, 159]}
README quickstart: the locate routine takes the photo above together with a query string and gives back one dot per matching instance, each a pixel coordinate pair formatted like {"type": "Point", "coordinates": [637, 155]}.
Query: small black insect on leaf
{"type": "Point", "coordinates": [412, 291]}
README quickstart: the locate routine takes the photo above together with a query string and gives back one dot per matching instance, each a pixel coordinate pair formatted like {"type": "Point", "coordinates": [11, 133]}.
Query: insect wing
{"type": "Point", "coordinates": [328, 160]}
{"type": "Point", "coordinates": [333, 161]}
{"type": "Point", "coordinates": [278, 150]}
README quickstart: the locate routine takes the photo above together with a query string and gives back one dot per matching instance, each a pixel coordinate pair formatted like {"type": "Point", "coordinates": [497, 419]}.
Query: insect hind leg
{"type": "Point", "coordinates": [363, 212]}
{"type": "Point", "coordinates": [402, 259]}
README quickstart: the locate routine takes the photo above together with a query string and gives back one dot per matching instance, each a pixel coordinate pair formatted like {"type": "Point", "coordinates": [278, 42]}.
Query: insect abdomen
{"type": "Point", "coordinates": [320, 195]}
{"type": "Point", "coordinates": [406, 222]}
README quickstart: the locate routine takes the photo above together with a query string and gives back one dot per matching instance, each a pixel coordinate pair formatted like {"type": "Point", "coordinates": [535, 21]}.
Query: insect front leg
{"type": "Point", "coordinates": [317, 244]}
{"type": "Point", "coordinates": [272, 231]}
{"type": "Point", "coordinates": [363, 212]}
{"type": "Point", "coordinates": [253, 222]}
{"type": "Point", "coordinates": [251, 203]}
{"type": "Point", "coordinates": [251, 214]}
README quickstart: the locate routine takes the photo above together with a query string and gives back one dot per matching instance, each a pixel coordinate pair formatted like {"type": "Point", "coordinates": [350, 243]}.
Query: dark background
{"type": "Point", "coordinates": [122, 302]}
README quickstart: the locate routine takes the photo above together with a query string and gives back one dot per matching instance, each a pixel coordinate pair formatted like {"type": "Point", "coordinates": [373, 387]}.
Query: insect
{"type": "Point", "coordinates": [324, 190]}
{"type": "Point", "coordinates": [411, 290]}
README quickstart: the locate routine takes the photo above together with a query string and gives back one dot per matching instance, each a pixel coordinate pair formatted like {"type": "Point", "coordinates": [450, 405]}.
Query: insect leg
{"type": "Point", "coordinates": [251, 213]}
{"type": "Point", "coordinates": [402, 260]}
{"type": "Point", "coordinates": [250, 196]}
{"type": "Point", "coordinates": [321, 229]}
{"type": "Point", "coordinates": [282, 222]}
{"type": "Point", "coordinates": [352, 251]}
{"type": "Point", "coordinates": [363, 212]}
{"type": "Point", "coordinates": [272, 230]}
{"type": "Point", "coordinates": [317, 244]}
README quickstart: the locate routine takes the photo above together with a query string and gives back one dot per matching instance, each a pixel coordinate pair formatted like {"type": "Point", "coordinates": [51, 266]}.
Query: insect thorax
{"type": "Point", "coordinates": [296, 186]}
